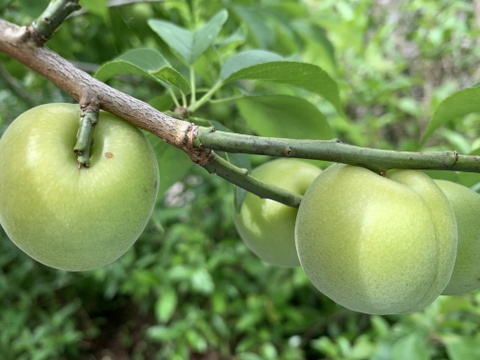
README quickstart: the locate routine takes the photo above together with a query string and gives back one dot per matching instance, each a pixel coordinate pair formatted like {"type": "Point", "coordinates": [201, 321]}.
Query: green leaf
{"type": "Point", "coordinates": [459, 104]}
{"type": "Point", "coordinates": [166, 304]}
{"type": "Point", "coordinates": [97, 7]}
{"type": "Point", "coordinates": [410, 347]}
{"type": "Point", "coordinates": [233, 67]}
{"type": "Point", "coordinates": [267, 66]}
{"type": "Point", "coordinates": [253, 17]}
{"type": "Point", "coordinates": [189, 45]}
{"type": "Point", "coordinates": [463, 348]}
{"type": "Point", "coordinates": [173, 163]}
{"type": "Point", "coordinates": [162, 102]}
{"type": "Point", "coordinates": [172, 77]}
{"type": "Point", "coordinates": [138, 61]}
{"type": "Point", "coordinates": [284, 116]}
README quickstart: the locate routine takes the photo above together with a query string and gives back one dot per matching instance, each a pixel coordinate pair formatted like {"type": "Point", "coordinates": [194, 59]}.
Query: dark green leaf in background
{"type": "Point", "coordinates": [254, 19]}
{"type": "Point", "coordinates": [173, 163]}
{"type": "Point", "coordinates": [284, 116]}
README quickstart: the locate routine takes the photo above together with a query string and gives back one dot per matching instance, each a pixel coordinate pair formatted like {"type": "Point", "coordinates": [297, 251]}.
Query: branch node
{"type": "Point", "coordinates": [455, 156]}
{"type": "Point", "coordinates": [45, 25]}
{"type": "Point", "coordinates": [288, 151]}
{"type": "Point", "coordinates": [181, 113]}
{"type": "Point", "coordinates": [199, 155]}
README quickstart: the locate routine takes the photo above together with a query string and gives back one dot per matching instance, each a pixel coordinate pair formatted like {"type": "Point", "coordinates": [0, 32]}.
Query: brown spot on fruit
{"type": "Point", "coordinates": [108, 155]}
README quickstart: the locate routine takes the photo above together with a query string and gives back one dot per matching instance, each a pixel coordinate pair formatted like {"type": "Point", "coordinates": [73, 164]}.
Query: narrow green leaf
{"type": "Point", "coordinates": [137, 61]}
{"type": "Point", "coordinates": [284, 116]}
{"type": "Point", "coordinates": [172, 77]}
{"type": "Point", "coordinates": [458, 104]}
{"type": "Point", "coordinates": [266, 66]}
{"type": "Point", "coordinates": [187, 44]}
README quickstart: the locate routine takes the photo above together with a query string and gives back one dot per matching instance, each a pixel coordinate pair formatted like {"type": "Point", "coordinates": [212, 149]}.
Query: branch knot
{"type": "Point", "coordinates": [199, 155]}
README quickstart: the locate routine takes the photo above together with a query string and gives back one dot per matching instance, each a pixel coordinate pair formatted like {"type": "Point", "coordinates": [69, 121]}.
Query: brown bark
{"type": "Point", "coordinates": [19, 43]}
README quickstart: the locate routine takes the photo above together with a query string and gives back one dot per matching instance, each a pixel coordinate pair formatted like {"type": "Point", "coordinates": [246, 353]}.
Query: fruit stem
{"type": "Point", "coordinates": [82, 148]}
{"type": "Point", "coordinates": [52, 17]}
{"type": "Point", "coordinates": [241, 178]}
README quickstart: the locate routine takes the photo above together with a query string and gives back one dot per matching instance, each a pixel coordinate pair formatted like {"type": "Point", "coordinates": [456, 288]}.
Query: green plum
{"type": "Point", "coordinates": [266, 226]}
{"type": "Point", "coordinates": [376, 244]}
{"type": "Point", "coordinates": [466, 206]}
{"type": "Point", "coordinates": [70, 218]}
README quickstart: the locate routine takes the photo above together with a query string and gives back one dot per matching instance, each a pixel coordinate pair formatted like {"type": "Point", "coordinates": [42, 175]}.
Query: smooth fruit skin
{"type": "Point", "coordinates": [267, 226]}
{"type": "Point", "coordinates": [376, 244]}
{"type": "Point", "coordinates": [65, 217]}
{"type": "Point", "coordinates": [466, 206]}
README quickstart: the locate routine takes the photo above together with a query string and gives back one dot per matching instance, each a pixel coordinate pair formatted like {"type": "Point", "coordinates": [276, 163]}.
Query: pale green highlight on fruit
{"type": "Point", "coordinates": [65, 217]}
{"type": "Point", "coordinates": [376, 244]}
{"type": "Point", "coordinates": [466, 206]}
{"type": "Point", "coordinates": [267, 226]}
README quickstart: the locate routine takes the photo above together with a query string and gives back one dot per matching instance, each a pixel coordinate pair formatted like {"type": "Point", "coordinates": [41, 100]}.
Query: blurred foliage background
{"type": "Point", "coordinates": [189, 288]}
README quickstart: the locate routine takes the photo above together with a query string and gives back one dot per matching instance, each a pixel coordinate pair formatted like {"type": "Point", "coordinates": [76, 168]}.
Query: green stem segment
{"type": "Point", "coordinates": [53, 16]}
{"type": "Point", "coordinates": [241, 178]}
{"type": "Point", "coordinates": [83, 146]}
{"type": "Point", "coordinates": [335, 151]}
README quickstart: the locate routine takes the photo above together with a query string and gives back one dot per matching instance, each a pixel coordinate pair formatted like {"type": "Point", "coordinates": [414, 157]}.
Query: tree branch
{"type": "Point", "coordinates": [15, 42]}
{"type": "Point", "coordinates": [333, 150]}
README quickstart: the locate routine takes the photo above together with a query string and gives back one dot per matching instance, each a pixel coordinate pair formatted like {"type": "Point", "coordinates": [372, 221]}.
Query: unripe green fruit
{"type": "Point", "coordinates": [267, 226]}
{"type": "Point", "coordinates": [466, 206]}
{"type": "Point", "coordinates": [376, 244]}
{"type": "Point", "coordinates": [65, 217]}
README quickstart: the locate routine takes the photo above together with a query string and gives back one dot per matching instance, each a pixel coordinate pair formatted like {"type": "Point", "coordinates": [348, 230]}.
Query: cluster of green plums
{"type": "Point", "coordinates": [374, 243]}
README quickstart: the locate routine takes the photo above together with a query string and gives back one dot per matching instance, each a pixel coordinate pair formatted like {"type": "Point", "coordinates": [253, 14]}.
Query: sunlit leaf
{"type": "Point", "coordinates": [187, 44]}
{"type": "Point", "coordinates": [267, 66]}
{"type": "Point", "coordinates": [137, 61]}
